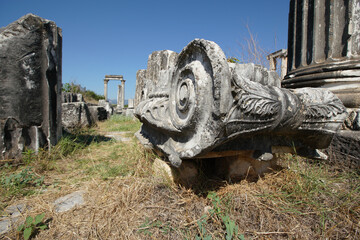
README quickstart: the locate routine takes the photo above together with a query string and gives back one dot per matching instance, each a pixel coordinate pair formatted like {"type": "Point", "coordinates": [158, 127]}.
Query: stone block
{"type": "Point", "coordinates": [344, 149]}
{"type": "Point", "coordinates": [131, 103]}
{"type": "Point", "coordinates": [97, 113]}
{"type": "Point", "coordinates": [68, 202]}
{"type": "Point", "coordinates": [109, 109]}
{"type": "Point", "coordinates": [75, 115]}
{"type": "Point", "coordinates": [141, 89]}
{"type": "Point", "coordinates": [68, 97]}
{"type": "Point", "coordinates": [30, 85]}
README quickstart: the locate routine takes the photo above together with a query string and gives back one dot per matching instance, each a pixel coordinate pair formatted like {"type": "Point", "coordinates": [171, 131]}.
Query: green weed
{"type": "Point", "coordinates": [20, 183]}
{"type": "Point", "coordinates": [219, 211]}
{"type": "Point", "coordinates": [148, 226]}
{"type": "Point", "coordinates": [32, 226]}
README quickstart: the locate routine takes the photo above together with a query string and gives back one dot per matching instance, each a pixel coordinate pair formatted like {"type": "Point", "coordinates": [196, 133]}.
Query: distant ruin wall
{"type": "Point", "coordinates": [30, 85]}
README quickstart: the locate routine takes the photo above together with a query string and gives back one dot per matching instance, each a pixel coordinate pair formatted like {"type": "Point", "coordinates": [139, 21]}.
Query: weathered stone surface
{"type": "Point", "coordinates": [141, 89]}
{"type": "Point", "coordinates": [201, 104]}
{"type": "Point", "coordinates": [352, 122]}
{"type": "Point", "coordinates": [11, 217]}
{"type": "Point", "coordinates": [30, 77]}
{"type": "Point", "coordinates": [129, 112]}
{"type": "Point", "coordinates": [324, 47]}
{"type": "Point", "coordinates": [107, 106]}
{"type": "Point", "coordinates": [344, 149]}
{"type": "Point", "coordinates": [75, 115]}
{"type": "Point", "coordinates": [69, 201]}
{"type": "Point", "coordinates": [68, 97]}
{"type": "Point", "coordinates": [97, 113]}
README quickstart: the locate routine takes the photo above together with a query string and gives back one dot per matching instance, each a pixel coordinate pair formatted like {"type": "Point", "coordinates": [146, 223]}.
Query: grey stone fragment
{"type": "Point", "coordinates": [98, 113]}
{"type": "Point", "coordinates": [30, 83]}
{"type": "Point", "coordinates": [352, 122]}
{"type": "Point", "coordinates": [5, 225]}
{"type": "Point", "coordinates": [141, 89]}
{"type": "Point", "coordinates": [75, 115]}
{"type": "Point", "coordinates": [69, 201]}
{"type": "Point", "coordinates": [107, 106]}
{"type": "Point", "coordinates": [11, 217]}
{"type": "Point", "coordinates": [344, 149]}
{"type": "Point", "coordinates": [68, 97]}
{"type": "Point", "coordinates": [129, 112]}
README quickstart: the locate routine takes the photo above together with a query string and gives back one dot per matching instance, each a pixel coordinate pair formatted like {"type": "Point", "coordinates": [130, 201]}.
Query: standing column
{"type": "Point", "coordinates": [105, 88]}
{"type": "Point", "coordinates": [323, 47]}
{"type": "Point", "coordinates": [119, 97]}
{"type": "Point", "coordinates": [122, 93]}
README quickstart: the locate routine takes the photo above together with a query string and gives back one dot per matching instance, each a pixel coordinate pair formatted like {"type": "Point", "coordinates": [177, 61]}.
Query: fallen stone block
{"type": "Point", "coordinates": [69, 201]}
{"type": "Point", "coordinates": [344, 149]}
{"type": "Point", "coordinates": [75, 115]}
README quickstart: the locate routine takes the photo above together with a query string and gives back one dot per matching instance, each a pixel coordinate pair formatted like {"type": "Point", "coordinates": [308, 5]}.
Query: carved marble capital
{"type": "Point", "coordinates": [208, 102]}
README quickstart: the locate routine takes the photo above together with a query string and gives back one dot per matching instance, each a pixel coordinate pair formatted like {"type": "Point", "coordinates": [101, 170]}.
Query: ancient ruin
{"type": "Point", "coordinates": [197, 105]}
{"type": "Point", "coordinates": [324, 48]}
{"type": "Point", "coordinates": [30, 85]}
{"type": "Point", "coordinates": [76, 113]}
{"type": "Point", "coordinates": [121, 90]}
{"type": "Point", "coordinates": [324, 52]}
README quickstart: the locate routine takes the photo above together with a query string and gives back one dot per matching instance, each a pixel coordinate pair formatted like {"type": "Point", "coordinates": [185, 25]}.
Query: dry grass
{"type": "Point", "coordinates": [124, 200]}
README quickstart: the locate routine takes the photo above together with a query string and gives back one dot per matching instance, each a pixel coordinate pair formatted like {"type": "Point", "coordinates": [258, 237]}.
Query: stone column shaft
{"type": "Point", "coordinates": [119, 96]}
{"type": "Point", "coordinates": [324, 47]}
{"type": "Point", "coordinates": [106, 81]}
{"type": "Point", "coordinates": [122, 93]}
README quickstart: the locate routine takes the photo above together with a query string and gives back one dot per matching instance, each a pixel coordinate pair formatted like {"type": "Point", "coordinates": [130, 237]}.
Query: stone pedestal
{"type": "Point", "coordinates": [324, 47]}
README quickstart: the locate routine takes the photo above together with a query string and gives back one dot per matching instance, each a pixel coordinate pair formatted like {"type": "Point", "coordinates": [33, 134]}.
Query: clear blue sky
{"type": "Point", "coordinates": [116, 37]}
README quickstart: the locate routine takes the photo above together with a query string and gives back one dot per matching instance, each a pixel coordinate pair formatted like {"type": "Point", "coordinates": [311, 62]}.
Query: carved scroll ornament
{"type": "Point", "coordinates": [208, 102]}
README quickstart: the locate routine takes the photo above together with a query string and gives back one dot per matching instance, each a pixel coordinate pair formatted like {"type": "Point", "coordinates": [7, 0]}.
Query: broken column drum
{"type": "Point", "coordinates": [30, 85]}
{"type": "Point", "coordinates": [324, 47]}
{"type": "Point", "coordinates": [202, 104]}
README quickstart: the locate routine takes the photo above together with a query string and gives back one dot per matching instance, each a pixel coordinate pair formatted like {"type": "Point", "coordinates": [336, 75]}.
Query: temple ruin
{"type": "Point", "coordinates": [324, 52]}
{"type": "Point", "coordinates": [121, 90]}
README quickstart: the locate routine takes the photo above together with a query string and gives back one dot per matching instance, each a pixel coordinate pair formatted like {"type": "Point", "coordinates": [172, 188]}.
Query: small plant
{"type": "Point", "coordinates": [32, 226]}
{"type": "Point", "coordinates": [28, 156]}
{"type": "Point", "coordinates": [233, 60]}
{"type": "Point", "coordinates": [232, 230]}
{"type": "Point", "coordinates": [202, 229]}
{"type": "Point", "coordinates": [148, 225]}
{"type": "Point", "coordinates": [20, 182]}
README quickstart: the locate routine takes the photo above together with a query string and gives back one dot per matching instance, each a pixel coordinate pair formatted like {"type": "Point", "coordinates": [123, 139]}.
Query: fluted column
{"type": "Point", "coordinates": [119, 97]}
{"type": "Point", "coordinates": [324, 47]}
{"type": "Point", "coordinates": [106, 81]}
{"type": "Point", "coordinates": [122, 93]}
